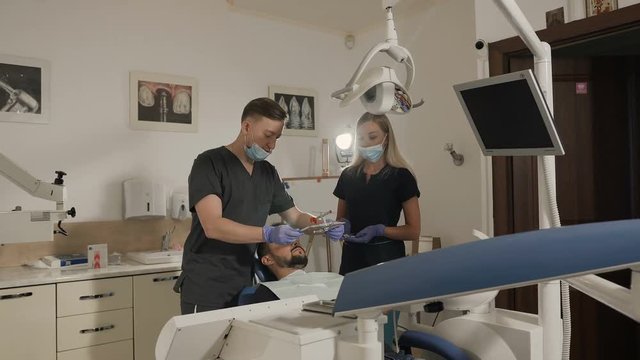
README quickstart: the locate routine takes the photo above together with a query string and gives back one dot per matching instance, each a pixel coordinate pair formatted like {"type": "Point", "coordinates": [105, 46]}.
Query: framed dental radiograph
{"type": "Point", "coordinates": [300, 105]}
{"type": "Point", "coordinates": [24, 89]}
{"type": "Point", "coordinates": [163, 102]}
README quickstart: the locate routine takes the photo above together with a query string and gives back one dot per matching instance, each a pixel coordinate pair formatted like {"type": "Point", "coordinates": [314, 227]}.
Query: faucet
{"type": "Point", "coordinates": [166, 239]}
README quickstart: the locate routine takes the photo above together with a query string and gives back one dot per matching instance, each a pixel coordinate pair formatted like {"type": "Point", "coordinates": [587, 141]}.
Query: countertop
{"type": "Point", "coordinates": [19, 276]}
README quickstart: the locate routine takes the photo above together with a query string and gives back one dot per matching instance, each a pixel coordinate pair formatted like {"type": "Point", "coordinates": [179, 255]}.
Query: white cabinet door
{"type": "Point", "coordinates": [28, 323]}
{"type": "Point", "coordinates": [154, 303]}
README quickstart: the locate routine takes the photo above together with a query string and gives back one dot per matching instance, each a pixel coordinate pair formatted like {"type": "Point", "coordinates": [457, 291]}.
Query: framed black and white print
{"type": "Point", "coordinates": [300, 105]}
{"type": "Point", "coordinates": [163, 102]}
{"type": "Point", "coordinates": [24, 89]}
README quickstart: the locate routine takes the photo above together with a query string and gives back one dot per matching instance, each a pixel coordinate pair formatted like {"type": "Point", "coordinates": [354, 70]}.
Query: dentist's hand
{"type": "Point", "coordinates": [281, 234]}
{"type": "Point", "coordinates": [365, 235]}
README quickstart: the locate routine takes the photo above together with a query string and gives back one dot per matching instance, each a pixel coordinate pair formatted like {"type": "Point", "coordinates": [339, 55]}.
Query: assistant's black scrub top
{"type": "Point", "coordinates": [378, 201]}
{"type": "Point", "coordinates": [214, 271]}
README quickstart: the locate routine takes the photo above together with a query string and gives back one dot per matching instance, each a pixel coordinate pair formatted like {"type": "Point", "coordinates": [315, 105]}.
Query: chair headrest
{"type": "Point", "coordinates": [262, 272]}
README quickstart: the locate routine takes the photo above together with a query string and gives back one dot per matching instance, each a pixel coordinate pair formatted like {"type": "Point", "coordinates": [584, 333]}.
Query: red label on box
{"type": "Point", "coordinates": [582, 88]}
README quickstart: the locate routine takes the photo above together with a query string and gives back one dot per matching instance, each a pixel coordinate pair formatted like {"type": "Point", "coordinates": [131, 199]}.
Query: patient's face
{"type": "Point", "coordinates": [287, 256]}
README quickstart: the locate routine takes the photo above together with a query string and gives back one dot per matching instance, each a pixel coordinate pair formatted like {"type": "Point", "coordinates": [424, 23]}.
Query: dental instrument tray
{"type": "Point", "coordinates": [323, 226]}
{"type": "Point", "coordinates": [320, 306]}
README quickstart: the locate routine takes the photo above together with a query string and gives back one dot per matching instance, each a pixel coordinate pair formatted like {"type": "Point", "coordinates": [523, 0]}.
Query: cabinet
{"type": "Point", "coordinates": [28, 314]}
{"type": "Point", "coordinates": [99, 319]}
{"type": "Point", "coordinates": [94, 313]}
{"type": "Point", "coordinates": [154, 303]}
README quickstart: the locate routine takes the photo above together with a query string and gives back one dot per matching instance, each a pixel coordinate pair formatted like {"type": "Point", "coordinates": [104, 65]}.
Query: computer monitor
{"type": "Point", "coordinates": [509, 115]}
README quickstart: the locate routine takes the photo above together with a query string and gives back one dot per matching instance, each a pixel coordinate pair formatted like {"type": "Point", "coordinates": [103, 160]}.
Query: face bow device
{"type": "Point", "coordinates": [379, 89]}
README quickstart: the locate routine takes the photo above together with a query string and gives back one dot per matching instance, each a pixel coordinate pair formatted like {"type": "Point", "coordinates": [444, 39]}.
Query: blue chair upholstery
{"type": "Point", "coordinates": [246, 295]}
{"type": "Point", "coordinates": [430, 342]}
{"type": "Point", "coordinates": [263, 274]}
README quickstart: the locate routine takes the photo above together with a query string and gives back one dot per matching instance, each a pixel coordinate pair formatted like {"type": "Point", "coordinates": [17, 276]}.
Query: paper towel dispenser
{"type": "Point", "coordinates": [144, 198]}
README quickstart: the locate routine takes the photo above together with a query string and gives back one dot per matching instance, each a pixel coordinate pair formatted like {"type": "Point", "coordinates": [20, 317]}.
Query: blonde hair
{"type": "Point", "coordinates": [392, 155]}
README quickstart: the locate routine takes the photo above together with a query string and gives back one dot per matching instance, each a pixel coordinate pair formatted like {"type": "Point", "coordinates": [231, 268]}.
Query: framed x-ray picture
{"type": "Point", "coordinates": [300, 105]}
{"type": "Point", "coordinates": [24, 89]}
{"type": "Point", "coordinates": [163, 102]}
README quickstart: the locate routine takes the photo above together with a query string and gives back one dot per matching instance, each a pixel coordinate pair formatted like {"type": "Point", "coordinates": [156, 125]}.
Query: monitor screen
{"type": "Point", "coordinates": [509, 116]}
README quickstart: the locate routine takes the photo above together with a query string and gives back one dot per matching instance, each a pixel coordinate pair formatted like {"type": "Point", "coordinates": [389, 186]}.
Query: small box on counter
{"type": "Point", "coordinates": [58, 261]}
{"type": "Point", "coordinates": [98, 256]}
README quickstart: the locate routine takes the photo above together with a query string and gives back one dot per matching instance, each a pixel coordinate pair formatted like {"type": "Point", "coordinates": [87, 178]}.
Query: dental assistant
{"type": "Point", "coordinates": [372, 192]}
{"type": "Point", "coordinates": [232, 190]}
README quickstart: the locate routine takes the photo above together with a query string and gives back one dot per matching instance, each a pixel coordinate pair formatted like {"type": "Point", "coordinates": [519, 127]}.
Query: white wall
{"type": "Point", "coordinates": [442, 46]}
{"type": "Point", "coordinates": [93, 45]}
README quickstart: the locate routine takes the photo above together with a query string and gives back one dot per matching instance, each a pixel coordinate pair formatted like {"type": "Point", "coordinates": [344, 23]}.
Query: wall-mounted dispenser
{"type": "Point", "coordinates": [144, 198]}
{"type": "Point", "coordinates": [179, 206]}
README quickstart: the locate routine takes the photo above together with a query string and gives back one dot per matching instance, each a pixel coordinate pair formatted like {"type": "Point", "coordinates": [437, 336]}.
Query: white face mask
{"type": "Point", "coordinates": [372, 153]}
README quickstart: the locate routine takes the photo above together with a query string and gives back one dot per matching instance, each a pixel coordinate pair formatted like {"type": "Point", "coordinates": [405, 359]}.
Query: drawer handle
{"type": "Point", "coordinates": [16, 296]}
{"type": "Point", "coordinates": [98, 329]}
{"type": "Point", "coordinates": [97, 296]}
{"type": "Point", "coordinates": [167, 278]}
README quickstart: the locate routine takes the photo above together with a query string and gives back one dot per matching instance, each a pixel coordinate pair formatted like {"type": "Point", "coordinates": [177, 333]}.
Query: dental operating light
{"type": "Point", "coordinates": [379, 89]}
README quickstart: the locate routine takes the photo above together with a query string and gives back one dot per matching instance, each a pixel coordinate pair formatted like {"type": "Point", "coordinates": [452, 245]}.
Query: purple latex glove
{"type": "Point", "coordinates": [365, 235]}
{"type": "Point", "coordinates": [281, 234]}
{"type": "Point", "coordinates": [336, 233]}
{"type": "Point", "coordinates": [347, 226]}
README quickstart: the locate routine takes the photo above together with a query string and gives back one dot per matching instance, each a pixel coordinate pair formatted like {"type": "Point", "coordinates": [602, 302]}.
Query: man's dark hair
{"type": "Point", "coordinates": [264, 107]}
{"type": "Point", "coordinates": [262, 250]}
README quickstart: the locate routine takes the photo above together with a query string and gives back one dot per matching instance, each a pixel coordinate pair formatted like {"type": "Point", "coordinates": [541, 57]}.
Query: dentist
{"type": "Point", "coordinates": [372, 193]}
{"type": "Point", "coordinates": [232, 190]}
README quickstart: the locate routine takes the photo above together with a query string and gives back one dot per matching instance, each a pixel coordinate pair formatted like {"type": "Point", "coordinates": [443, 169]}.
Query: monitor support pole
{"type": "Point", "coordinates": [548, 292]}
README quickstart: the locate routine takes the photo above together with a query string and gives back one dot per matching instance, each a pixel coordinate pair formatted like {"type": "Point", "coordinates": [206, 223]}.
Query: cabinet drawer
{"type": "Point", "coordinates": [85, 297]}
{"type": "Point", "coordinates": [28, 314]}
{"type": "Point", "coordinates": [93, 329]}
{"type": "Point", "coordinates": [121, 350]}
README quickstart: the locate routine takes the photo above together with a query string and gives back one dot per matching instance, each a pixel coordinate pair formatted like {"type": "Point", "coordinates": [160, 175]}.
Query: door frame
{"type": "Point", "coordinates": [515, 195]}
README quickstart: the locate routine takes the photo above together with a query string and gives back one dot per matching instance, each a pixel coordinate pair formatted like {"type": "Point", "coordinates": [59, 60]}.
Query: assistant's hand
{"type": "Point", "coordinates": [347, 226]}
{"type": "Point", "coordinates": [336, 233]}
{"type": "Point", "coordinates": [365, 235]}
{"type": "Point", "coordinates": [281, 234]}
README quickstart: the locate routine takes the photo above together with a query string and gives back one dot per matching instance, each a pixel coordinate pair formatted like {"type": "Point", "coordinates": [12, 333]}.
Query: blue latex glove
{"type": "Point", "coordinates": [336, 233]}
{"type": "Point", "coordinates": [281, 234]}
{"type": "Point", "coordinates": [347, 226]}
{"type": "Point", "coordinates": [365, 235]}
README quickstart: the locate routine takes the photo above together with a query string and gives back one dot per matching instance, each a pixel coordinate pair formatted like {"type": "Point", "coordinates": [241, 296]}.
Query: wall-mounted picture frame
{"type": "Point", "coordinates": [163, 102]}
{"type": "Point", "coordinates": [597, 7]}
{"type": "Point", "coordinates": [24, 89]}
{"type": "Point", "coordinates": [300, 104]}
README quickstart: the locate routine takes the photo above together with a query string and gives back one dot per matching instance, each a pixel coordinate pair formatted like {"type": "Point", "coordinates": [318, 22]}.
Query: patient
{"type": "Point", "coordinates": [283, 260]}
{"type": "Point", "coordinates": [287, 262]}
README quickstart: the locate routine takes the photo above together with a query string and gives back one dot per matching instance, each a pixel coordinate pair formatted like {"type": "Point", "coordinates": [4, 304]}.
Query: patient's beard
{"type": "Point", "coordinates": [298, 261]}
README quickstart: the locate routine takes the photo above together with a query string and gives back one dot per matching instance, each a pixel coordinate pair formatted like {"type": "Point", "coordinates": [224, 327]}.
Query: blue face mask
{"type": "Point", "coordinates": [372, 153]}
{"type": "Point", "coordinates": [255, 152]}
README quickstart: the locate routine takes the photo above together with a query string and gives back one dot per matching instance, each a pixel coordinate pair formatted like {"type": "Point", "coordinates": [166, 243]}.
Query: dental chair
{"type": "Point", "coordinates": [262, 274]}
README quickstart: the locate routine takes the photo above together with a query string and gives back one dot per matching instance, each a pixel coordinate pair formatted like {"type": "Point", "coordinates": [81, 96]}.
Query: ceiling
{"type": "Point", "coordinates": [342, 16]}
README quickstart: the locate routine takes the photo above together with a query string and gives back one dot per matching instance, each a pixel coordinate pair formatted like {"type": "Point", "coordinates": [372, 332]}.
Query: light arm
{"type": "Point", "coordinates": [30, 184]}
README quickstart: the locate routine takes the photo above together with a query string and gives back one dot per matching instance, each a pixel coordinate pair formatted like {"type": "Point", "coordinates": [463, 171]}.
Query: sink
{"type": "Point", "coordinates": [156, 257]}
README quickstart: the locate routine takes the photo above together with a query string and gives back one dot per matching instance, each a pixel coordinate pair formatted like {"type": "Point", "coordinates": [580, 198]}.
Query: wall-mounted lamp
{"type": "Point", "coordinates": [344, 148]}
{"type": "Point", "coordinates": [458, 159]}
